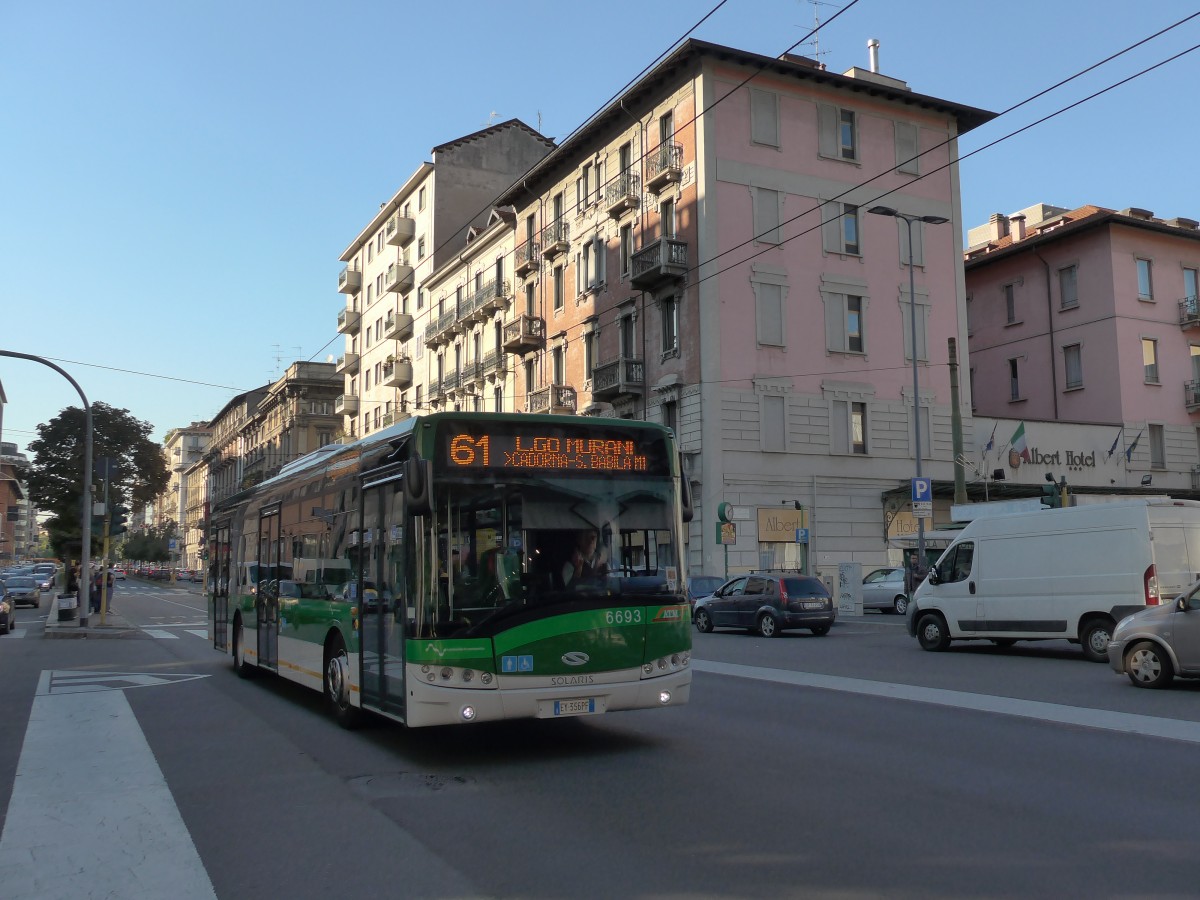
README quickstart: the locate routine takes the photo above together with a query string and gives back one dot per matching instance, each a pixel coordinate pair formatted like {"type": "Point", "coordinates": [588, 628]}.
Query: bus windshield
{"type": "Point", "coordinates": [510, 547]}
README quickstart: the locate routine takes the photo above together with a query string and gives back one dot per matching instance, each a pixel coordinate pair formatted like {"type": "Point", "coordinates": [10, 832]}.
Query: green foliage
{"type": "Point", "coordinates": [150, 545]}
{"type": "Point", "coordinates": [56, 471]}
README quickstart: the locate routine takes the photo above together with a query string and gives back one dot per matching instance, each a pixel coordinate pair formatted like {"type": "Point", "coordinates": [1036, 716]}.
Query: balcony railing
{"type": "Point", "coordinates": [472, 371]}
{"type": "Point", "coordinates": [398, 326]}
{"type": "Point", "coordinates": [495, 362]}
{"type": "Point", "coordinates": [398, 373]}
{"type": "Point", "coordinates": [525, 333]}
{"type": "Point", "coordinates": [664, 167]}
{"type": "Point", "coordinates": [1189, 312]}
{"type": "Point", "coordinates": [623, 193]}
{"type": "Point", "coordinates": [663, 261]}
{"type": "Point", "coordinates": [451, 381]}
{"type": "Point", "coordinates": [346, 405]}
{"type": "Point", "coordinates": [349, 281]}
{"type": "Point", "coordinates": [399, 277]}
{"type": "Point", "coordinates": [348, 320]}
{"type": "Point", "coordinates": [388, 419]}
{"type": "Point", "coordinates": [1191, 396]}
{"type": "Point", "coordinates": [556, 399]}
{"type": "Point", "coordinates": [400, 230]}
{"type": "Point", "coordinates": [618, 378]}
{"type": "Point", "coordinates": [493, 297]}
{"type": "Point", "coordinates": [526, 258]}
{"type": "Point", "coordinates": [347, 364]}
{"type": "Point", "coordinates": [556, 238]}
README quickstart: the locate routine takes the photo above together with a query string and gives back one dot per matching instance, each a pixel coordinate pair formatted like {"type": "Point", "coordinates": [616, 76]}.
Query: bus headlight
{"type": "Point", "coordinates": [666, 665]}
{"type": "Point", "coordinates": [664, 697]}
{"type": "Point", "coordinates": [467, 713]}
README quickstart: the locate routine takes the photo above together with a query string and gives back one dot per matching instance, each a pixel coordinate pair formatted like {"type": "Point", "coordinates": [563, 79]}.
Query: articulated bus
{"type": "Point", "coordinates": [430, 572]}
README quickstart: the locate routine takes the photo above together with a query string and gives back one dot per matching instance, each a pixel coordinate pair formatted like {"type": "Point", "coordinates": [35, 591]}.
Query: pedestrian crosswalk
{"type": "Point", "coordinates": [161, 632]}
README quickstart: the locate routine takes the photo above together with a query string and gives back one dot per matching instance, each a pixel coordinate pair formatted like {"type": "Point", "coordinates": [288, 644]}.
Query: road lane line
{"type": "Point", "coordinates": [198, 632]}
{"type": "Point", "coordinates": [160, 634]}
{"type": "Point", "coordinates": [1127, 723]}
{"type": "Point", "coordinates": [91, 814]}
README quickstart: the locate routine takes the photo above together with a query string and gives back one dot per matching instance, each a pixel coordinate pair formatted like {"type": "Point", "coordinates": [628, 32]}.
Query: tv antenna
{"type": "Point", "coordinates": [815, 43]}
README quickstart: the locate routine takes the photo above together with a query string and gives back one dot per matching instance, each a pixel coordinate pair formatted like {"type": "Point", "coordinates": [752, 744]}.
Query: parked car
{"type": "Point", "coordinates": [767, 604]}
{"type": "Point", "coordinates": [1159, 642]}
{"type": "Point", "coordinates": [702, 586]}
{"type": "Point", "coordinates": [118, 574]}
{"type": "Point", "coordinates": [7, 613]}
{"type": "Point", "coordinates": [23, 589]}
{"type": "Point", "coordinates": [884, 589]}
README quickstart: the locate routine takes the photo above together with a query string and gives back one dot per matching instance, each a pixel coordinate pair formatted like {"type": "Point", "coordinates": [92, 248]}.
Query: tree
{"type": "Point", "coordinates": [152, 544]}
{"type": "Point", "coordinates": [56, 472]}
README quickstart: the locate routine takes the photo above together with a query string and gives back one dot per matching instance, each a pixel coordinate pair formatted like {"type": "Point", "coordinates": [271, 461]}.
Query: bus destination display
{"type": "Point", "coordinates": [554, 451]}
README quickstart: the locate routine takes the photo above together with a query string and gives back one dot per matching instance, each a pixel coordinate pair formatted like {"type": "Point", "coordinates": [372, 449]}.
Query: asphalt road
{"type": "Point", "coordinates": [852, 765]}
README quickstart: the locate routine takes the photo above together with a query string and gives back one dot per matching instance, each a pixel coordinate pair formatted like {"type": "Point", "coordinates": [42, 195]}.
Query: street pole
{"type": "Point", "coordinates": [85, 521]}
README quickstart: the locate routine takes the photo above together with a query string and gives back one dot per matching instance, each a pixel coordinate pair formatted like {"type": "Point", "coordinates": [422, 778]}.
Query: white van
{"type": "Point", "coordinates": [1058, 574]}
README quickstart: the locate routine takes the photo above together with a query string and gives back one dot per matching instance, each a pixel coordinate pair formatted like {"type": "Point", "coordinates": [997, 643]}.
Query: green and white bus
{"type": "Point", "coordinates": [430, 572]}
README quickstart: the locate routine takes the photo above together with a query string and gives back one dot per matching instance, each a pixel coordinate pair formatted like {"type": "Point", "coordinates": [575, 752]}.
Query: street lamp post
{"type": "Point", "coordinates": [912, 300]}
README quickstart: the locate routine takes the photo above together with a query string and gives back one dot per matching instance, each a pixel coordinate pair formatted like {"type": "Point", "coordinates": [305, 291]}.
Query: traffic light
{"type": "Point", "coordinates": [97, 525]}
{"type": "Point", "coordinates": [120, 520]}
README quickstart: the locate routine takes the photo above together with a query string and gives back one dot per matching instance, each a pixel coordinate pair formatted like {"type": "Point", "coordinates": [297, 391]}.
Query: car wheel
{"type": "Point", "coordinates": [931, 632]}
{"type": "Point", "coordinates": [1094, 638]}
{"type": "Point", "coordinates": [766, 625]}
{"type": "Point", "coordinates": [820, 630]}
{"type": "Point", "coordinates": [702, 621]}
{"type": "Point", "coordinates": [900, 604]}
{"type": "Point", "coordinates": [1148, 666]}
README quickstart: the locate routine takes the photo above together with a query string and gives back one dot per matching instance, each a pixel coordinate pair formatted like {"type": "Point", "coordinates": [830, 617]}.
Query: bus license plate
{"type": "Point", "coordinates": [579, 707]}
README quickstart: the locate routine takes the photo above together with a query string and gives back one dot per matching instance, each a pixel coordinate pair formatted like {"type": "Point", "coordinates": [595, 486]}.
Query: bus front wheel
{"type": "Point", "coordinates": [243, 668]}
{"type": "Point", "coordinates": [337, 684]}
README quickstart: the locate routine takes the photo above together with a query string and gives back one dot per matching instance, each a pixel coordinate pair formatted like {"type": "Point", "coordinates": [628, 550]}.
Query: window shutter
{"type": "Point", "coordinates": [835, 322]}
{"type": "Point", "coordinates": [578, 274]}
{"type": "Point", "coordinates": [774, 423]}
{"type": "Point", "coordinates": [598, 263]}
{"type": "Point", "coordinates": [922, 332]}
{"type": "Point", "coordinates": [766, 215]}
{"type": "Point", "coordinates": [831, 226]}
{"type": "Point", "coordinates": [839, 426]}
{"type": "Point", "coordinates": [907, 148]}
{"type": "Point", "coordinates": [764, 117]}
{"type": "Point", "coordinates": [827, 130]}
{"type": "Point", "coordinates": [770, 313]}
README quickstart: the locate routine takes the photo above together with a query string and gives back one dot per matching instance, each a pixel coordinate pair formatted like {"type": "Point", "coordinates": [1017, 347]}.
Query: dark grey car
{"type": "Point", "coordinates": [23, 590]}
{"type": "Point", "coordinates": [767, 604]}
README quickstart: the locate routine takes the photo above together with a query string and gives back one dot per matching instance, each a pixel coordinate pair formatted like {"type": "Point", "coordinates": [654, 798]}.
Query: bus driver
{"type": "Point", "coordinates": [587, 562]}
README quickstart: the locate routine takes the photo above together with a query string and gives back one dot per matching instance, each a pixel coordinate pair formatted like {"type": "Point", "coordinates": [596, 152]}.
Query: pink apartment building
{"type": "Point", "coordinates": [1090, 316]}
{"type": "Point", "coordinates": [699, 253]}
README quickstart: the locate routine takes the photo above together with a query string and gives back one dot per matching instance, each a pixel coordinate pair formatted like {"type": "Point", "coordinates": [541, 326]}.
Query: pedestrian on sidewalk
{"type": "Point", "coordinates": [97, 583]}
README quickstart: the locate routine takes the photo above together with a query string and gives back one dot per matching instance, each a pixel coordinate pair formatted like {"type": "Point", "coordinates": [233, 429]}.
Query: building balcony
{"type": "Point", "coordinates": [555, 399]}
{"type": "Point", "coordinates": [1191, 396]}
{"type": "Point", "coordinates": [399, 277]}
{"type": "Point", "coordinates": [348, 321]}
{"type": "Point", "coordinates": [347, 364]}
{"type": "Point", "coordinates": [665, 167]}
{"type": "Point", "coordinates": [619, 378]}
{"type": "Point", "coordinates": [495, 363]}
{"type": "Point", "coordinates": [526, 258]}
{"type": "Point", "coordinates": [622, 194]}
{"type": "Point", "coordinates": [472, 372]}
{"type": "Point", "coordinates": [388, 419]}
{"type": "Point", "coordinates": [556, 239]}
{"type": "Point", "coordinates": [664, 261]}
{"type": "Point", "coordinates": [436, 393]}
{"type": "Point", "coordinates": [398, 326]}
{"type": "Point", "coordinates": [346, 405]}
{"type": "Point", "coordinates": [451, 382]}
{"type": "Point", "coordinates": [492, 298]}
{"type": "Point", "coordinates": [399, 230]}
{"type": "Point", "coordinates": [349, 281]}
{"type": "Point", "coordinates": [398, 373]}
{"type": "Point", "coordinates": [1189, 312]}
{"type": "Point", "coordinates": [525, 333]}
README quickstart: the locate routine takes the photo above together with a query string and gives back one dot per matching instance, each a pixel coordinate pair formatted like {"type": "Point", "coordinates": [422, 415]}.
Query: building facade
{"type": "Point", "coordinates": [1090, 316]}
{"type": "Point", "coordinates": [422, 227]}
{"type": "Point", "coordinates": [182, 447]}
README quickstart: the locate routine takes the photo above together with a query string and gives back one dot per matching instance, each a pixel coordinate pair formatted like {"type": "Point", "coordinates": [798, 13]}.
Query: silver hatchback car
{"type": "Point", "coordinates": [1159, 642]}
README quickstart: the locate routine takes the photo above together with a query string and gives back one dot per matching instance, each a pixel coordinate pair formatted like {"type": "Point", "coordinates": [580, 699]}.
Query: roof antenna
{"type": "Point", "coordinates": [815, 43]}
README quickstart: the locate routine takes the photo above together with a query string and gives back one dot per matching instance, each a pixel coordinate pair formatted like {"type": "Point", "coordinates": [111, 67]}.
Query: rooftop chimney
{"type": "Point", "coordinates": [1017, 228]}
{"type": "Point", "coordinates": [997, 226]}
{"type": "Point", "coordinates": [873, 50]}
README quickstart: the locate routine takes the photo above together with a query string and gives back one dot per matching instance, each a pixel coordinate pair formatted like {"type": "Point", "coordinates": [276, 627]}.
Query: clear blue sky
{"type": "Point", "coordinates": [179, 179]}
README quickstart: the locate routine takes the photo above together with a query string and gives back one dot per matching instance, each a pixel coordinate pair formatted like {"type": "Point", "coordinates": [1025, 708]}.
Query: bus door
{"type": "Point", "coordinates": [383, 606]}
{"type": "Point", "coordinates": [266, 604]}
{"type": "Point", "coordinates": [218, 583]}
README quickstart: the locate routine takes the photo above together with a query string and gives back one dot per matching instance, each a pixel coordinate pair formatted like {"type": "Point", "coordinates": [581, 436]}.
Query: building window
{"type": "Point", "coordinates": [528, 381]}
{"type": "Point", "coordinates": [768, 300]}
{"type": "Point", "coordinates": [530, 300]}
{"type": "Point", "coordinates": [589, 354]}
{"type": "Point", "coordinates": [1158, 447]}
{"type": "Point", "coordinates": [670, 324]}
{"type": "Point", "coordinates": [847, 140]}
{"type": "Point", "coordinates": [764, 117]}
{"type": "Point", "coordinates": [498, 398]}
{"type": "Point", "coordinates": [839, 228]}
{"type": "Point", "coordinates": [421, 247]}
{"type": "Point", "coordinates": [774, 423]}
{"type": "Point", "coordinates": [583, 187]}
{"type": "Point", "coordinates": [669, 413]}
{"type": "Point", "coordinates": [1068, 289]}
{"type": "Point", "coordinates": [837, 133]}
{"type": "Point", "coordinates": [907, 148]}
{"type": "Point", "coordinates": [858, 428]}
{"type": "Point", "coordinates": [1010, 304]}
{"type": "Point", "coordinates": [1073, 363]}
{"type": "Point", "coordinates": [854, 334]}
{"type": "Point", "coordinates": [922, 313]}
{"type": "Point", "coordinates": [558, 288]}
{"type": "Point", "coordinates": [417, 396]}
{"type": "Point", "coordinates": [848, 427]}
{"type": "Point", "coordinates": [1145, 280]}
{"type": "Point", "coordinates": [766, 215]}
{"type": "Point", "coordinates": [420, 298]}
{"type": "Point", "coordinates": [1190, 283]}
{"type": "Point", "coordinates": [1014, 381]}
{"type": "Point", "coordinates": [666, 219]}
{"type": "Point", "coordinates": [421, 199]}
{"type": "Point", "coordinates": [1150, 360]}
{"type": "Point", "coordinates": [625, 335]}
{"type": "Point", "coordinates": [626, 248]}
{"type": "Point", "coordinates": [558, 364]}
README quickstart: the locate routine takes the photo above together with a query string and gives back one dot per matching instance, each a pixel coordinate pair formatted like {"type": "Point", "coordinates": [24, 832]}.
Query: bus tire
{"type": "Point", "coordinates": [337, 684]}
{"type": "Point", "coordinates": [240, 665]}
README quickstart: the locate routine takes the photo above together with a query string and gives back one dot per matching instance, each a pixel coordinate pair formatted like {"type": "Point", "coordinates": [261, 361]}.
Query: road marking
{"type": "Point", "coordinates": [73, 681]}
{"type": "Point", "coordinates": [198, 632]}
{"type": "Point", "coordinates": [160, 634]}
{"type": "Point", "coordinates": [91, 814]}
{"type": "Point", "coordinates": [1127, 723]}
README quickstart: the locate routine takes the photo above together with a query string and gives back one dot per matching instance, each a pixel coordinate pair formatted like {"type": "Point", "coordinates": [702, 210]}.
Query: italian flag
{"type": "Point", "coordinates": [1018, 443]}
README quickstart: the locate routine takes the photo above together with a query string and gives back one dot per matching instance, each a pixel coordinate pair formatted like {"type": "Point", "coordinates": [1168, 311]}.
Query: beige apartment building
{"type": "Point", "coordinates": [423, 225]}
{"type": "Point", "coordinates": [182, 447]}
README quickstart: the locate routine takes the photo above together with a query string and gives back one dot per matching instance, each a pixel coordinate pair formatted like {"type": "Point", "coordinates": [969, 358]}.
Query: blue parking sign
{"type": "Point", "coordinates": [922, 490]}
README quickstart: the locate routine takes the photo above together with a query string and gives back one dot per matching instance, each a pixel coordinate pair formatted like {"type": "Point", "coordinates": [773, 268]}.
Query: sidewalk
{"type": "Point", "coordinates": [111, 625]}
